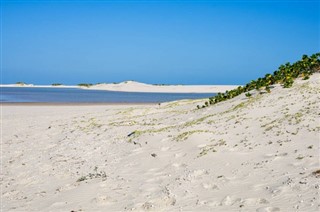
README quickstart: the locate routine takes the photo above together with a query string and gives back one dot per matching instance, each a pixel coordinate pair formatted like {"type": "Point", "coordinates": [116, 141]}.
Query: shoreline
{"type": "Point", "coordinates": [131, 86]}
{"type": "Point", "coordinates": [76, 103]}
{"type": "Point", "coordinates": [37, 86]}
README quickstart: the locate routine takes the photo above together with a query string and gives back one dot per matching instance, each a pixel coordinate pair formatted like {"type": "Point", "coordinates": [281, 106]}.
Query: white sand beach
{"type": "Point", "coordinates": [132, 86]}
{"type": "Point", "coordinates": [246, 154]}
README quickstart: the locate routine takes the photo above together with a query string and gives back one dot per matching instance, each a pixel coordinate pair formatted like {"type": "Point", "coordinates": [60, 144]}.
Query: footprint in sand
{"type": "Point", "coordinates": [66, 187]}
{"type": "Point", "coordinates": [179, 155]}
{"type": "Point", "coordinates": [102, 200]}
{"type": "Point", "coordinates": [147, 206]}
{"type": "Point", "coordinates": [227, 201]}
{"type": "Point", "coordinates": [58, 205]}
{"type": "Point", "coordinates": [157, 203]}
{"type": "Point", "coordinates": [199, 172]}
{"type": "Point", "coordinates": [210, 186]}
{"type": "Point", "coordinates": [255, 201]}
{"type": "Point", "coordinates": [178, 165]}
{"type": "Point", "coordinates": [268, 209]}
{"type": "Point", "coordinates": [276, 156]}
{"type": "Point", "coordinates": [136, 151]}
{"type": "Point", "coordinates": [165, 148]}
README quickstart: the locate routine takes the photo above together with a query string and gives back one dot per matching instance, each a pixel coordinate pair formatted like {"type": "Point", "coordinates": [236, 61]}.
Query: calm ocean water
{"type": "Point", "coordinates": [74, 95]}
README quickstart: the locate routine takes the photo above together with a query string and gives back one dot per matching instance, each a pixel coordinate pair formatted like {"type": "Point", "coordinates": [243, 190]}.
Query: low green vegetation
{"type": "Point", "coordinates": [20, 83]}
{"type": "Point", "coordinates": [206, 149]}
{"type": "Point", "coordinates": [285, 75]}
{"type": "Point", "coordinates": [102, 175]}
{"type": "Point", "coordinates": [56, 84]}
{"type": "Point", "coordinates": [85, 84]}
{"type": "Point", "coordinates": [135, 134]}
{"type": "Point", "coordinates": [197, 121]}
{"type": "Point", "coordinates": [87, 126]}
{"type": "Point", "coordinates": [185, 135]}
{"type": "Point", "coordinates": [211, 147]}
{"type": "Point", "coordinates": [159, 84]}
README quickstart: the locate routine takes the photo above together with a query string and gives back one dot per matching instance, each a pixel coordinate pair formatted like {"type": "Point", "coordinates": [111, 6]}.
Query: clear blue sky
{"type": "Point", "coordinates": [172, 42]}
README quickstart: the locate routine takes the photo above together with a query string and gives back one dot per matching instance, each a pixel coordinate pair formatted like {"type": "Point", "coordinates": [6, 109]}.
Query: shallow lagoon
{"type": "Point", "coordinates": [75, 95]}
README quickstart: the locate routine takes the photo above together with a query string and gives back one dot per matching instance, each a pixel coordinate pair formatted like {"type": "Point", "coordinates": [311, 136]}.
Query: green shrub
{"type": "Point", "coordinates": [85, 84]}
{"type": "Point", "coordinates": [285, 75]}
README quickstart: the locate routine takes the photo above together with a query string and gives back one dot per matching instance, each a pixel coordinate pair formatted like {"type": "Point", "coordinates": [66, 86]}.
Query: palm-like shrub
{"type": "Point", "coordinates": [285, 75]}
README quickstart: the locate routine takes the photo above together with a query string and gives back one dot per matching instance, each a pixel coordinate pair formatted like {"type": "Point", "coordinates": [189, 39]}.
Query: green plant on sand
{"type": "Point", "coordinates": [85, 84]}
{"type": "Point", "coordinates": [285, 75]}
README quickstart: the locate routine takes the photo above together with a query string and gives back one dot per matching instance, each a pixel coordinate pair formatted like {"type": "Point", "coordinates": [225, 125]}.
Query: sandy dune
{"type": "Point", "coordinates": [247, 154]}
{"type": "Point", "coordinates": [132, 86]}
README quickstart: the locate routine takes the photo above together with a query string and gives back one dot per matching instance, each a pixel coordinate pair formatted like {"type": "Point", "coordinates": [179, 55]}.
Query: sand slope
{"type": "Point", "coordinates": [256, 154]}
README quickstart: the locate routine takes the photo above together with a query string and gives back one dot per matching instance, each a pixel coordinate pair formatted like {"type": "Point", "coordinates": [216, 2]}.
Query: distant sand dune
{"type": "Point", "coordinates": [132, 86]}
